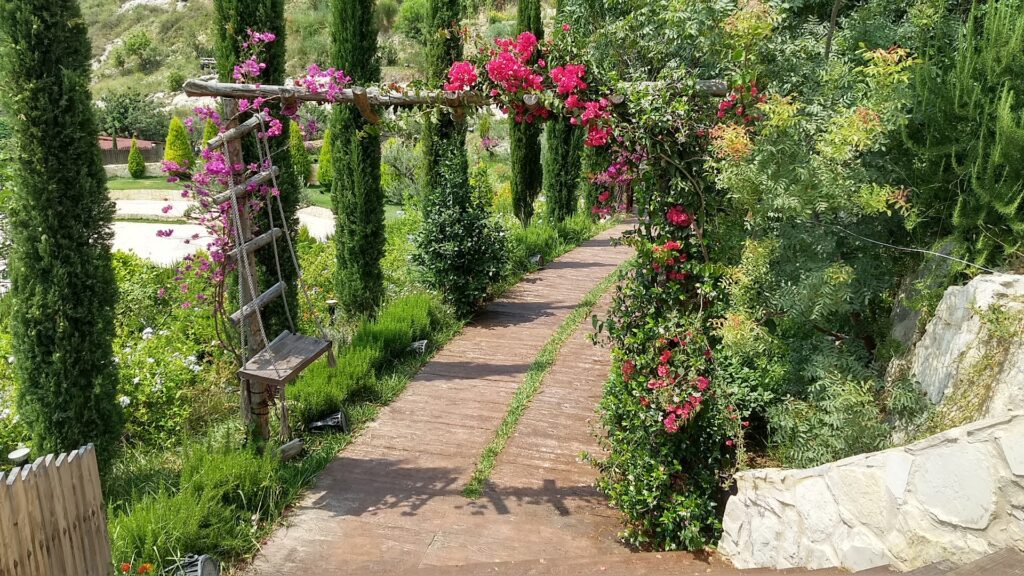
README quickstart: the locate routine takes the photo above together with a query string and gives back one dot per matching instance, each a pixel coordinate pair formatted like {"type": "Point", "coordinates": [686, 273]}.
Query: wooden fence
{"type": "Point", "coordinates": [52, 518]}
{"type": "Point", "coordinates": [120, 156]}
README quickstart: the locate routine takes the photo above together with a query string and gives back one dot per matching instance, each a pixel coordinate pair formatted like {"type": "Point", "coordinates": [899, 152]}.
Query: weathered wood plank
{"type": "Point", "coordinates": [258, 303]}
{"type": "Point", "coordinates": [257, 242]}
{"type": "Point", "coordinates": [284, 359]}
{"type": "Point", "coordinates": [257, 180]}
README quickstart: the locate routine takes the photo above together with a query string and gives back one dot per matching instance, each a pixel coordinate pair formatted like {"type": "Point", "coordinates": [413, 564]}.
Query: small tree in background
{"type": "Point", "coordinates": [136, 163]}
{"type": "Point", "coordinates": [178, 147]}
{"type": "Point", "coordinates": [325, 166]}
{"type": "Point", "coordinates": [300, 156]}
{"type": "Point", "coordinates": [210, 131]}
{"type": "Point", "coordinates": [356, 193]}
{"type": "Point", "coordinates": [524, 137]}
{"type": "Point", "coordinates": [64, 288]}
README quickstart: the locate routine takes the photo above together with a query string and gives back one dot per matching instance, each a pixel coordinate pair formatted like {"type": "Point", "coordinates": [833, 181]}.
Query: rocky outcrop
{"type": "Point", "coordinates": [970, 358]}
{"type": "Point", "coordinates": [955, 496]}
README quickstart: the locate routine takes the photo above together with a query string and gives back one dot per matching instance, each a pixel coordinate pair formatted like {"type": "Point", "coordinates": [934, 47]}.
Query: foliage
{"type": "Point", "coordinates": [130, 113]}
{"type": "Point", "coordinates": [562, 169]}
{"type": "Point", "coordinates": [325, 165]}
{"type": "Point", "coordinates": [356, 188]}
{"type": "Point", "coordinates": [400, 167]}
{"type": "Point", "coordinates": [210, 131]}
{"type": "Point", "coordinates": [524, 137]}
{"type": "Point", "coordinates": [386, 12]}
{"type": "Point", "coordinates": [967, 138]}
{"type": "Point", "coordinates": [63, 282]}
{"type": "Point", "coordinates": [322, 391]}
{"type": "Point", "coordinates": [461, 249]}
{"type": "Point", "coordinates": [414, 20]}
{"type": "Point", "coordinates": [137, 52]}
{"type": "Point", "coordinates": [300, 156]}
{"type": "Point", "coordinates": [136, 163]}
{"type": "Point", "coordinates": [178, 147]}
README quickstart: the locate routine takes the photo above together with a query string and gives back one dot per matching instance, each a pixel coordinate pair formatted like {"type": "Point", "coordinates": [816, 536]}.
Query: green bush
{"type": "Point", "coordinates": [325, 166]}
{"type": "Point", "coordinates": [240, 479]}
{"type": "Point", "coordinates": [386, 12]}
{"type": "Point", "coordinates": [300, 157]}
{"type": "Point", "coordinates": [400, 163]}
{"type": "Point", "coordinates": [210, 131]}
{"type": "Point", "coordinates": [178, 147]}
{"type": "Point", "coordinates": [414, 19]}
{"type": "Point", "coordinates": [322, 391]}
{"type": "Point", "coordinates": [136, 163]}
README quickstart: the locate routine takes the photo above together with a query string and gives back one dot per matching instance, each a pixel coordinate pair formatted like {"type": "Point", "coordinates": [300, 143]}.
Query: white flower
{"type": "Point", "coordinates": [150, 360]}
{"type": "Point", "coordinates": [124, 401]}
{"type": "Point", "coordinates": [5, 413]}
{"type": "Point", "coordinates": [10, 359]}
{"type": "Point", "coordinates": [147, 333]}
{"type": "Point", "coordinates": [137, 380]}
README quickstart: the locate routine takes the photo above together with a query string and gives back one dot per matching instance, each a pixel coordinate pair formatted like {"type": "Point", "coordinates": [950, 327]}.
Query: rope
{"type": "Point", "coordinates": [918, 250]}
{"type": "Point", "coordinates": [303, 287]}
{"type": "Point", "coordinates": [268, 165]}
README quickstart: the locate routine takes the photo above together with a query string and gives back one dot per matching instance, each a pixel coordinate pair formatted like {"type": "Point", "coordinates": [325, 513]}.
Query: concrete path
{"type": "Point", "coordinates": [391, 502]}
{"type": "Point", "coordinates": [141, 239]}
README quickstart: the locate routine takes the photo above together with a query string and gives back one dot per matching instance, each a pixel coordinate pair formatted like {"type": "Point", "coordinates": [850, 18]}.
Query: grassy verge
{"type": "Point", "coordinates": [531, 385]}
{"type": "Point", "coordinates": [146, 183]}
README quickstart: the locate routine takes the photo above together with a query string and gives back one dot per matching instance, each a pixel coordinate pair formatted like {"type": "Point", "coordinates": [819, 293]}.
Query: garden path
{"type": "Point", "coordinates": [391, 502]}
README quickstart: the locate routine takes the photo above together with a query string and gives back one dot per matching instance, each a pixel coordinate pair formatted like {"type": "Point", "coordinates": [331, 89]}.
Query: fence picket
{"type": "Point", "coordinates": [52, 518]}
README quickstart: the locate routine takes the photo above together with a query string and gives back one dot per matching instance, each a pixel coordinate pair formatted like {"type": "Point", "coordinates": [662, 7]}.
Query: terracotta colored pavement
{"type": "Point", "coordinates": [391, 501]}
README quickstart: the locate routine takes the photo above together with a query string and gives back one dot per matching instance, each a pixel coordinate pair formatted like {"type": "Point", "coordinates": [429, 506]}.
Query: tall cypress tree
{"type": "Point", "coordinates": [524, 138]}
{"type": "Point", "coordinates": [563, 162]}
{"type": "Point", "coordinates": [63, 281]}
{"type": "Point", "coordinates": [355, 147]}
{"type": "Point", "coordinates": [232, 18]}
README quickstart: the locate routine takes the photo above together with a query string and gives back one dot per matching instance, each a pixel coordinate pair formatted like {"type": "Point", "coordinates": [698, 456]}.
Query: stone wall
{"type": "Point", "coordinates": [121, 170]}
{"type": "Point", "coordinates": [955, 496]}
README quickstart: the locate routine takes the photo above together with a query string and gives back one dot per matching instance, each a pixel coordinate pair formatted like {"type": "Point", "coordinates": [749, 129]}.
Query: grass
{"type": "Point", "coordinates": [531, 385]}
{"type": "Point", "coordinates": [317, 196]}
{"type": "Point", "coordinates": [147, 183]}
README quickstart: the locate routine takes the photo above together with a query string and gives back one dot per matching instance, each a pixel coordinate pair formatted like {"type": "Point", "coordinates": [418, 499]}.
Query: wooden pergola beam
{"type": "Point", "coordinates": [372, 97]}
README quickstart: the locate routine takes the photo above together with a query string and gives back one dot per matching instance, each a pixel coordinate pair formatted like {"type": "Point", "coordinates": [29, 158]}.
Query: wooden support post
{"type": "Point", "coordinates": [362, 102]}
{"type": "Point", "coordinates": [255, 403]}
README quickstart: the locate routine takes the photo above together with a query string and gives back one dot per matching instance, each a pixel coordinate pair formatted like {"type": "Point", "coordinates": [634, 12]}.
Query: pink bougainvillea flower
{"type": "Point", "coordinates": [566, 27]}
{"type": "Point", "coordinates": [663, 370]}
{"type": "Point", "coordinates": [671, 423]}
{"type": "Point", "coordinates": [604, 196]}
{"type": "Point", "coordinates": [702, 383]}
{"type": "Point", "coordinates": [461, 76]}
{"type": "Point", "coordinates": [628, 368]}
{"type": "Point", "coordinates": [666, 356]}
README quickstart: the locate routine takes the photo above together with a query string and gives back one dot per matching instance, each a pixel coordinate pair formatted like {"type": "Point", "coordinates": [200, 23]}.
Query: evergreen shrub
{"type": "Point", "coordinates": [136, 163]}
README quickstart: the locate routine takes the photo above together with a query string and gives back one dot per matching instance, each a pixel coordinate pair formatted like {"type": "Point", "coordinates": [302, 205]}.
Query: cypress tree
{"type": "Point", "coordinates": [325, 167]}
{"type": "Point", "coordinates": [64, 289]}
{"type": "Point", "coordinates": [136, 163]}
{"type": "Point", "coordinates": [231, 20]}
{"type": "Point", "coordinates": [563, 162]}
{"type": "Point", "coordinates": [355, 152]}
{"type": "Point", "coordinates": [300, 156]}
{"type": "Point", "coordinates": [524, 138]}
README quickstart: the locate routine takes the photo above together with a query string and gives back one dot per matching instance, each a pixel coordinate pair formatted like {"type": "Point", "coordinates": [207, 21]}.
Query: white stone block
{"type": "Point", "coordinates": [862, 550]}
{"type": "Point", "coordinates": [956, 484]}
{"type": "Point", "coordinates": [818, 509]}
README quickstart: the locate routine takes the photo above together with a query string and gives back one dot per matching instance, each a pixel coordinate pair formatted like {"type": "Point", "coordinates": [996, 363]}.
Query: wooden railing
{"type": "Point", "coordinates": [52, 518]}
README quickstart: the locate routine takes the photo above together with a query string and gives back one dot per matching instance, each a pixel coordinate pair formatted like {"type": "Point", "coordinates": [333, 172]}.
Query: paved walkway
{"type": "Point", "coordinates": [391, 502]}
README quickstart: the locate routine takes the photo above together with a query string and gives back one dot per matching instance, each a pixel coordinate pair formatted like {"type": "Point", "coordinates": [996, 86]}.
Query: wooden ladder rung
{"type": "Point", "coordinates": [258, 303]}
{"type": "Point", "coordinates": [257, 243]}
{"type": "Point", "coordinates": [284, 359]}
{"type": "Point", "coordinates": [261, 178]}
{"type": "Point", "coordinates": [243, 129]}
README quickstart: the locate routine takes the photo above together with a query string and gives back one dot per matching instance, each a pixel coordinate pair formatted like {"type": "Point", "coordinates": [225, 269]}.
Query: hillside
{"type": "Point", "coordinates": [153, 45]}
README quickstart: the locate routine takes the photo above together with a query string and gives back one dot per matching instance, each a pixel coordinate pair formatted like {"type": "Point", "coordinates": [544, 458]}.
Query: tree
{"type": "Point", "coordinates": [356, 193]}
{"type": "Point", "coordinates": [232, 18]}
{"type": "Point", "coordinates": [300, 156]}
{"type": "Point", "coordinates": [136, 163]}
{"type": "Point", "coordinates": [563, 162]}
{"type": "Point", "coordinates": [210, 131]}
{"type": "Point", "coordinates": [64, 288]}
{"type": "Point", "coordinates": [130, 113]}
{"type": "Point", "coordinates": [524, 137]}
{"type": "Point", "coordinates": [178, 147]}
{"type": "Point", "coordinates": [459, 247]}
{"type": "Point", "coordinates": [325, 167]}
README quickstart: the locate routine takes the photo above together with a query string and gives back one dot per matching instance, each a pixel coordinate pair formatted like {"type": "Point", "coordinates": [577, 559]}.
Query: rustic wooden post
{"type": "Point", "coordinates": [255, 403]}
